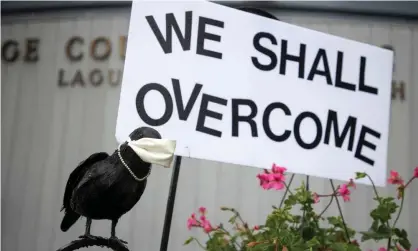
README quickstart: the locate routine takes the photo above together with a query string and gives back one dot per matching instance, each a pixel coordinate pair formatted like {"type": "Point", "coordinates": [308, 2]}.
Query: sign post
{"type": "Point", "coordinates": [170, 204]}
{"type": "Point", "coordinates": [273, 92]}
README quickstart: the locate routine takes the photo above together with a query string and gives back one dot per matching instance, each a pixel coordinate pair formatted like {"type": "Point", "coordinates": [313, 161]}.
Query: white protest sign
{"type": "Point", "coordinates": [235, 87]}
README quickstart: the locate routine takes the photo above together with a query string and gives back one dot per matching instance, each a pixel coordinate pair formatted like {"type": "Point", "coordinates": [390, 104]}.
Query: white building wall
{"type": "Point", "coordinates": [47, 130]}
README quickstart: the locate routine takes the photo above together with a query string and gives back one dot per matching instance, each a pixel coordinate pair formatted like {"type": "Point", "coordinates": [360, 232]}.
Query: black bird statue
{"type": "Point", "coordinates": [107, 186]}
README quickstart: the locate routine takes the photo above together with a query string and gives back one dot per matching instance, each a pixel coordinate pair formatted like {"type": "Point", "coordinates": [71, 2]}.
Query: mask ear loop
{"type": "Point", "coordinates": [127, 167]}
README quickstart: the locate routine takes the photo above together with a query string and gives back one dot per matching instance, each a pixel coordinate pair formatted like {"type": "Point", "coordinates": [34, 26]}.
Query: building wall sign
{"type": "Point", "coordinates": [76, 50]}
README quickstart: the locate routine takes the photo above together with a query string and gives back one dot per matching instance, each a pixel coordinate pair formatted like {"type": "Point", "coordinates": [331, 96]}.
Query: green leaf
{"type": "Point", "coordinates": [405, 243]}
{"type": "Point", "coordinates": [333, 220]}
{"type": "Point", "coordinates": [232, 219]}
{"type": "Point", "coordinates": [404, 234]}
{"type": "Point", "coordinates": [234, 238]}
{"type": "Point", "coordinates": [374, 235]}
{"type": "Point", "coordinates": [383, 212]}
{"type": "Point", "coordinates": [308, 233]}
{"type": "Point", "coordinates": [398, 232]}
{"type": "Point", "coordinates": [352, 247]}
{"type": "Point", "coordinates": [384, 230]}
{"type": "Point", "coordinates": [375, 225]}
{"type": "Point", "coordinates": [365, 237]}
{"type": "Point", "coordinates": [360, 175]}
{"type": "Point", "coordinates": [313, 242]}
{"type": "Point", "coordinates": [337, 246]}
{"type": "Point", "coordinates": [188, 241]}
{"type": "Point", "coordinates": [297, 218]}
{"type": "Point", "coordinates": [218, 234]}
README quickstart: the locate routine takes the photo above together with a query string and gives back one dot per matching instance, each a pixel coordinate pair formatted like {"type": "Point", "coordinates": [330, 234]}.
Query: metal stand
{"type": "Point", "coordinates": [170, 204]}
{"type": "Point", "coordinates": [287, 190]}
{"type": "Point", "coordinates": [340, 211]}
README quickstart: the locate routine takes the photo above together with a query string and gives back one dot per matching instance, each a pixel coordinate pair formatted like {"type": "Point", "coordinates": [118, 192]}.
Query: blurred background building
{"type": "Point", "coordinates": [62, 66]}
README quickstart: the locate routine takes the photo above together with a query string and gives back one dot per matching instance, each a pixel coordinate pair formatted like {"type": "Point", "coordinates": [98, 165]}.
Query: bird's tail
{"type": "Point", "coordinates": [69, 219]}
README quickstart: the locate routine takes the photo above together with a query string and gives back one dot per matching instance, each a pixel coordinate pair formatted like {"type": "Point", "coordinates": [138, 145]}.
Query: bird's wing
{"type": "Point", "coordinates": [78, 173]}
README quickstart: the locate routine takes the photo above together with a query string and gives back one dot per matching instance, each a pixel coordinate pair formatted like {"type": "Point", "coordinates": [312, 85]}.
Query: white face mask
{"type": "Point", "coordinates": [154, 151]}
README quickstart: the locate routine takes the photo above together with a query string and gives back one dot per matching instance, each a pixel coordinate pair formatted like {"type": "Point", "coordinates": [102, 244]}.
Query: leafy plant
{"type": "Point", "coordinates": [285, 231]}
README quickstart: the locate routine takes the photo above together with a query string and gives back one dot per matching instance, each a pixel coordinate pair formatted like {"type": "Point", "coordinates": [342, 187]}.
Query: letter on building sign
{"type": "Point", "coordinates": [78, 79]}
{"type": "Point", "coordinates": [96, 77]}
{"type": "Point", "coordinates": [61, 78]}
{"type": "Point", "coordinates": [114, 81]}
{"type": "Point", "coordinates": [122, 46]}
{"type": "Point", "coordinates": [390, 47]}
{"type": "Point", "coordinates": [10, 51]}
{"type": "Point", "coordinates": [398, 89]}
{"type": "Point", "coordinates": [32, 53]}
{"type": "Point", "coordinates": [94, 49]}
{"type": "Point", "coordinates": [69, 49]}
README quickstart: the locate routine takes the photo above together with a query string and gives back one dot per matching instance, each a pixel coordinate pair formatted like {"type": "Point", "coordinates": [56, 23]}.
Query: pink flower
{"type": "Point", "coordinates": [256, 227]}
{"type": "Point", "coordinates": [191, 222]}
{"type": "Point", "coordinates": [203, 218]}
{"type": "Point", "coordinates": [264, 180]}
{"type": "Point", "coordinates": [416, 176]}
{"type": "Point", "coordinates": [351, 184]}
{"type": "Point", "coordinates": [207, 227]}
{"type": "Point", "coordinates": [266, 186]}
{"type": "Point", "coordinates": [276, 185]}
{"type": "Point", "coordinates": [271, 180]}
{"type": "Point", "coordinates": [263, 177]}
{"type": "Point", "coordinates": [274, 180]}
{"type": "Point", "coordinates": [395, 178]}
{"type": "Point", "coordinates": [202, 210]}
{"type": "Point", "coordinates": [382, 249]}
{"type": "Point", "coordinates": [344, 192]}
{"type": "Point", "coordinates": [277, 177]}
{"type": "Point", "coordinates": [315, 197]}
{"type": "Point", "coordinates": [278, 169]}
